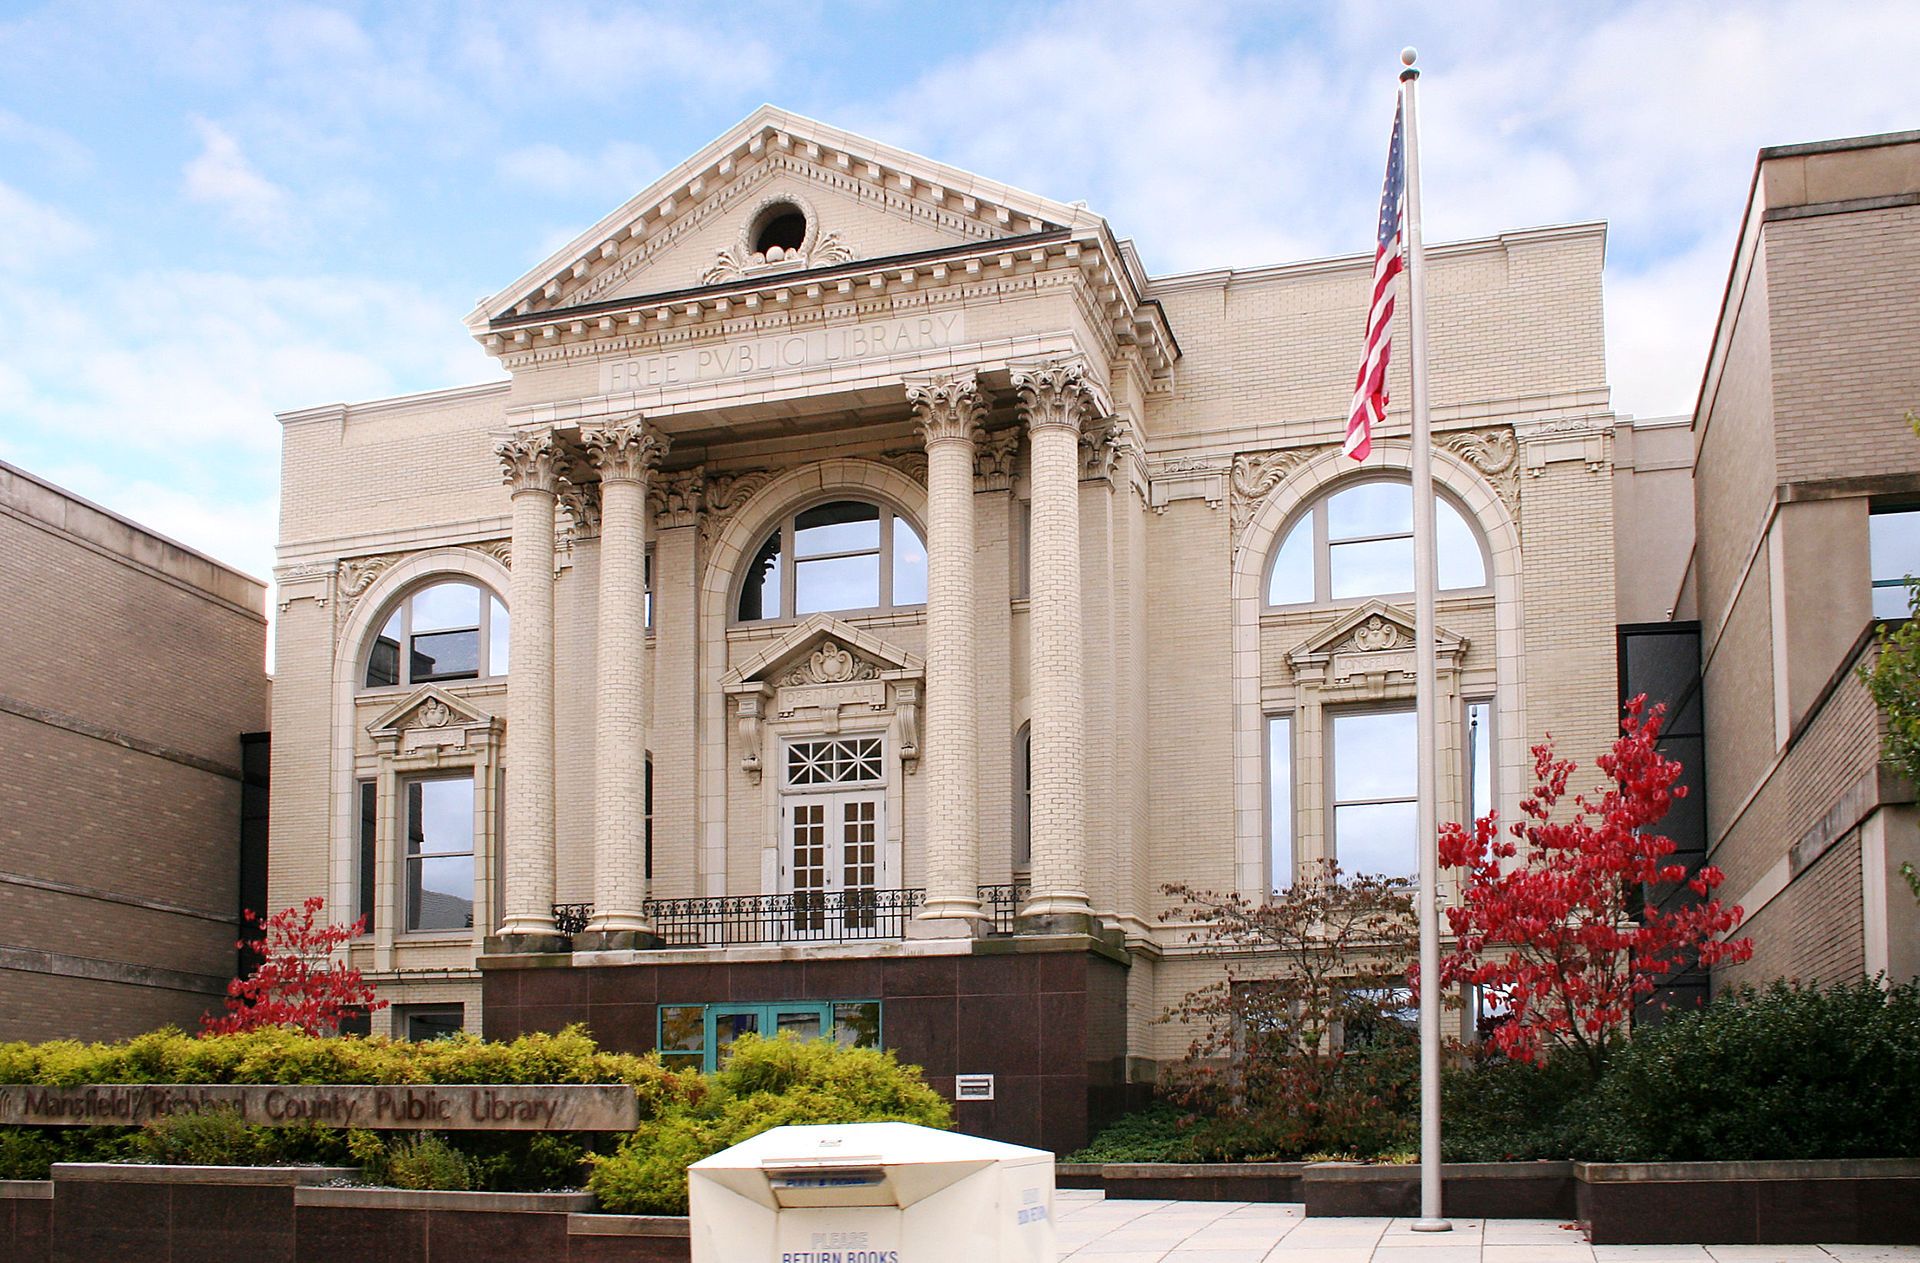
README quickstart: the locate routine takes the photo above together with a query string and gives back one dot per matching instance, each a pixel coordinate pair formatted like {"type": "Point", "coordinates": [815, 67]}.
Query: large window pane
{"type": "Point", "coordinates": [857, 1024]}
{"type": "Point", "coordinates": [450, 655]}
{"type": "Point", "coordinates": [1458, 563]}
{"type": "Point", "coordinates": [1372, 508]}
{"type": "Point", "coordinates": [1377, 839]}
{"type": "Point", "coordinates": [363, 878]}
{"type": "Point", "coordinates": [836, 583]}
{"type": "Point", "coordinates": [1371, 568]}
{"type": "Point", "coordinates": [760, 595]}
{"type": "Point", "coordinates": [1292, 581]}
{"type": "Point", "coordinates": [440, 892]}
{"type": "Point", "coordinates": [441, 814]}
{"type": "Point", "coordinates": [728, 1027]}
{"type": "Point", "coordinates": [803, 1023]}
{"type": "Point", "coordinates": [909, 565]}
{"type": "Point", "coordinates": [844, 526]}
{"type": "Point", "coordinates": [446, 605]}
{"type": "Point", "coordinates": [1374, 756]}
{"type": "Point", "coordinates": [1280, 802]}
{"type": "Point", "coordinates": [1893, 549]}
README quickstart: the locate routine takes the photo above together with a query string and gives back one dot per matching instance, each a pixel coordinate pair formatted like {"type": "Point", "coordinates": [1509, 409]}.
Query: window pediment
{"type": "Point", "coordinates": [431, 718]}
{"type": "Point", "coordinates": [1371, 643]}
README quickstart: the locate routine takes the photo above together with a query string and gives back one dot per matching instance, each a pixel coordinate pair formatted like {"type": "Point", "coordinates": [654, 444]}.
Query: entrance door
{"type": "Point", "coordinates": [831, 864]}
{"type": "Point", "coordinates": [831, 823]}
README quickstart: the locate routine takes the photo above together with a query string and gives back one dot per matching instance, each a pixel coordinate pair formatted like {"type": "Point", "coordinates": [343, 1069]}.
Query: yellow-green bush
{"type": "Point", "coordinates": [505, 1161]}
{"type": "Point", "coordinates": [764, 1084]}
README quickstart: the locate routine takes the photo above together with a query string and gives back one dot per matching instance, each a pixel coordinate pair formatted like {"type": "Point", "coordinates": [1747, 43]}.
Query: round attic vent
{"type": "Point", "coordinates": [778, 231]}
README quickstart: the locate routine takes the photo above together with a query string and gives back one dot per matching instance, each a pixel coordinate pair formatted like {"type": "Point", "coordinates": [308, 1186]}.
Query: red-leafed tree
{"type": "Point", "coordinates": [1552, 924]}
{"type": "Point", "coordinates": [299, 983]}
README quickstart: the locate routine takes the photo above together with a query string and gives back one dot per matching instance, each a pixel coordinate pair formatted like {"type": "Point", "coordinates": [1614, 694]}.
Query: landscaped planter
{"type": "Point", "coordinates": [1870, 1202]}
{"type": "Point", "coordinates": [1186, 1181]}
{"type": "Point", "coordinates": [26, 1220]}
{"type": "Point", "coordinates": [98, 1211]}
{"type": "Point", "coordinates": [1470, 1190]}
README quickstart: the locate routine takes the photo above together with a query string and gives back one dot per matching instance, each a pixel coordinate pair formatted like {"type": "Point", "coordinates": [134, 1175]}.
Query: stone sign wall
{"type": "Point", "coordinates": [515, 1107]}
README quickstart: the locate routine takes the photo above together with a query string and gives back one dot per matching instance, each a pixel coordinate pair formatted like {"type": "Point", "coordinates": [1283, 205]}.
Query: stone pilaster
{"type": "Point", "coordinates": [533, 466]}
{"type": "Point", "coordinates": [626, 454]}
{"type": "Point", "coordinates": [949, 411]}
{"type": "Point", "coordinates": [1056, 400]}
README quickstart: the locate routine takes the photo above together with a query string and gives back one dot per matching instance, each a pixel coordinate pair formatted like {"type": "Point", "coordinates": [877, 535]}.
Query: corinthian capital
{"type": "Point", "coordinates": [949, 406]}
{"type": "Point", "coordinates": [625, 451]}
{"type": "Point", "coordinates": [531, 462]}
{"type": "Point", "coordinates": [1056, 393]}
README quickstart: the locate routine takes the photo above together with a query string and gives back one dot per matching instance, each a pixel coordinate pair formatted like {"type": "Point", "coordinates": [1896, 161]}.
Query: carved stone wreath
{"type": "Point", "coordinates": [1375, 634]}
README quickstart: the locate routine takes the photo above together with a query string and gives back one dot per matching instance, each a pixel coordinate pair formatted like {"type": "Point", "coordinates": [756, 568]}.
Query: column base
{"type": "Point", "coordinates": [527, 943]}
{"type": "Point", "coordinates": [959, 908]}
{"type": "Point", "coordinates": [617, 941]}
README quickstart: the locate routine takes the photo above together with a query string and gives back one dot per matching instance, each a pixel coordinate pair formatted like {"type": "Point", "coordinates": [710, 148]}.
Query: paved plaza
{"type": "Point", "coordinates": [1094, 1230]}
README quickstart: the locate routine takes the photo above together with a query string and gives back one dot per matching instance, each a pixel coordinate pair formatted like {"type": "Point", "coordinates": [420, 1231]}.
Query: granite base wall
{"type": "Point", "coordinates": [1872, 1202]}
{"type": "Point", "coordinates": [1049, 1025]}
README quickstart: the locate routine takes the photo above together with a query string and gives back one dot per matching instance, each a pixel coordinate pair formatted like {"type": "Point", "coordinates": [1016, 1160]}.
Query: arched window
{"type": "Point", "coordinates": [1358, 543]}
{"type": "Point", "coordinates": [451, 630]}
{"type": "Point", "coordinates": [845, 555]}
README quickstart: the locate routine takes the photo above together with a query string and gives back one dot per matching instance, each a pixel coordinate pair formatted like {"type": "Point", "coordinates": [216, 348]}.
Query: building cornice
{"type": "Point", "coordinates": [340, 412]}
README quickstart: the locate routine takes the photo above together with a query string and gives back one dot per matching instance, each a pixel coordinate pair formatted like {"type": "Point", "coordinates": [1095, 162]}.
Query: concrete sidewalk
{"type": "Point", "coordinates": [1094, 1230]}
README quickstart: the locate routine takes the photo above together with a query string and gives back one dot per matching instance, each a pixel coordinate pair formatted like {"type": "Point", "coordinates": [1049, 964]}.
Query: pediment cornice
{"type": "Point", "coordinates": [823, 650]}
{"type": "Point", "coordinates": [1373, 639]}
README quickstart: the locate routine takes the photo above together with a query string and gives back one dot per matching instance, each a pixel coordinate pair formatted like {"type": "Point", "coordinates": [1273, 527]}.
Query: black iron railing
{"type": "Point", "coordinates": [1002, 904]}
{"type": "Point", "coordinates": [801, 917]}
{"type": "Point", "coordinates": [571, 918]}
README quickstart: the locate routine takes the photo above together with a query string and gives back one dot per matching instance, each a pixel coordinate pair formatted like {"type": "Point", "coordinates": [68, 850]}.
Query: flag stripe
{"type": "Point", "coordinates": [1370, 383]}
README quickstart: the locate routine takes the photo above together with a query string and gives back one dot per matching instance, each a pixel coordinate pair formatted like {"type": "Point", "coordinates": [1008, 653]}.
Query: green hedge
{"type": "Point", "coordinates": [1787, 1072]}
{"type": "Point", "coordinates": [501, 1161]}
{"type": "Point", "coordinates": [684, 1116]}
{"type": "Point", "coordinates": [764, 1084]}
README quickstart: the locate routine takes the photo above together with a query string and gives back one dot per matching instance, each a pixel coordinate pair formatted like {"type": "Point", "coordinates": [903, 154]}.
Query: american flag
{"type": "Point", "coordinates": [1370, 385]}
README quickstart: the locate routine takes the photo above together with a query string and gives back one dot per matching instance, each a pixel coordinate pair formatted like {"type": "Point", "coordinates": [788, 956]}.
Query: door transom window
{"type": "Point", "coordinates": [839, 761]}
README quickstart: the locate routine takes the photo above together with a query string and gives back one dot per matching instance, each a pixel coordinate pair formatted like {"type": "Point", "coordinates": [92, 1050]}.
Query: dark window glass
{"type": "Point", "coordinates": [857, 1025]}
{"type": "Point", "coordinates": [683, 1036]}
{"type": "Point", "coordinates": [453, 655]}
{"type": "Point", "coordinates": [441, 1022]}
{"type": "Point", "coordinates": [369, 830]}
{"type": "Point", "coordinates": [760, 598]}
{"type": "Point", "coordinates": [649, 817]}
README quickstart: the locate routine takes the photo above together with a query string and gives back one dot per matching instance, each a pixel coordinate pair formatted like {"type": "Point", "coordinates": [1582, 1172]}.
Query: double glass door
{"type": "Point", "coordinates": [831, 862]}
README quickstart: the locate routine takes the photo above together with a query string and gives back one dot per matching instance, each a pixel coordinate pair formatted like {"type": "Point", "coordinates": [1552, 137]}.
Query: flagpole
{"type": "Point", "coordinates": [1430, 1219]}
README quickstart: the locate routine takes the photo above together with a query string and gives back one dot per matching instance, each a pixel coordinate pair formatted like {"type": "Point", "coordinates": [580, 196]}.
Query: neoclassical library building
{"type": "Point", "coordinates": [870, 587]}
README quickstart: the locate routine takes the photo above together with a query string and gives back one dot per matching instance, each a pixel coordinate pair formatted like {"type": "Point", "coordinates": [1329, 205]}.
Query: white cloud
{"type": "Point", "coordinates": [32, 233]}
{"type": "Point", "coordinates": [221, 176]}
{"type": "Point", "coordinates": [63, 154]}
{"type": "Point", "coordinates": [617, 171]}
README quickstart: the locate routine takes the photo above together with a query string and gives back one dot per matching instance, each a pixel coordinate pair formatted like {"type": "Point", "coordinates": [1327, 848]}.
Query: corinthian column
{"type": "Point", "coordinates": [1055, 401]}
{"type": "Point", "coordinates": [532, 465]}
{"type": "Point", "coordinates": [626, 453]}
{"type": "Point", "coordinates": [949, 411]}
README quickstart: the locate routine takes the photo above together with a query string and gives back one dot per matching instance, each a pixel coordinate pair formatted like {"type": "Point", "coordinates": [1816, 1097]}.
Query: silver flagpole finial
{"type": "Point", "coordinates": [1407, 57]}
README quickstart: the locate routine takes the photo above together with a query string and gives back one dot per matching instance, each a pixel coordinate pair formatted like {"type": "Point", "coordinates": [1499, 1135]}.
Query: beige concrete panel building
{"type": "Point", "coordinates": [130, 668]}
{"type": "Point", "coordinates": [870, 587]}
{"type": "Point", "coordinates": [1806, 487]}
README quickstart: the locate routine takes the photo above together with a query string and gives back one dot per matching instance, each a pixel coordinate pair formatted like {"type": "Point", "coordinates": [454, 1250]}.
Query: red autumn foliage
{"type": "Point", "coordinates": [1560, 938]}
{"type": "Point", "coordinates": [298, 983]}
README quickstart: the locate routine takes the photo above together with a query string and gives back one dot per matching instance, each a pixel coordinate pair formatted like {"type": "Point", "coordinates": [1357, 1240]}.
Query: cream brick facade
{"type": "Point", "coordinates": [1101, 465]}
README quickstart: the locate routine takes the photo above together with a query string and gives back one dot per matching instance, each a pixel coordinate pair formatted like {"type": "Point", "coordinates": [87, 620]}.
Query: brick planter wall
{"type": "Point", "coordinates": [1867, 1202]}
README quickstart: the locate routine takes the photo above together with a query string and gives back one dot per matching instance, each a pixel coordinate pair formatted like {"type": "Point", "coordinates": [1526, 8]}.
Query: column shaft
{"type": "Point", "coordinates": [625, 454]}
{"type": "Point", "coordinates": [949, 410]}
{"type": "Point", "coordinates": [529, 864]}
{"type": "Point", "coordinates": [1056, 400]}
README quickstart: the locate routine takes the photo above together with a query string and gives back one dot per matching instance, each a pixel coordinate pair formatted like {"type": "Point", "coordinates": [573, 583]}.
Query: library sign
{"type": "Point", "coordinates": [497, 1107]}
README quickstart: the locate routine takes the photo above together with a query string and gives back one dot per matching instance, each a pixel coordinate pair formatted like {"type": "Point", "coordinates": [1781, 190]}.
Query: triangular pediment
{"type": "Point", "coordinates": [824, 650]}
{"type": "Point", "coordinates": [1374, 627]}
{"type": "Point", "coordinates": [429, 707]}
{"type": "Point", "coordinates": [866, 201]}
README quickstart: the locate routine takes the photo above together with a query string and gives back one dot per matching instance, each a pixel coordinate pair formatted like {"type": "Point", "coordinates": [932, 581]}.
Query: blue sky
{"type": "Point", "coordinates": [213, 212]}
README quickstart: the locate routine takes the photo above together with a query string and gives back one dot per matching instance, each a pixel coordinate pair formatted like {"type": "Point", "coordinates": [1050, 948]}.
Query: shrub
{"type": "Point", "coordinates": [503, 1161]}
{"type": "Point", "coordinates": [425, 1161]}
{"type": "Point", "coordinates": [1786, 1072]}
{"type": "Point", "coordinates": [205, 1138]}
{"type": "Point", "coordinates": [764, 1084]}
{"type": "Point", "coordinates": [1157, 1133]}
